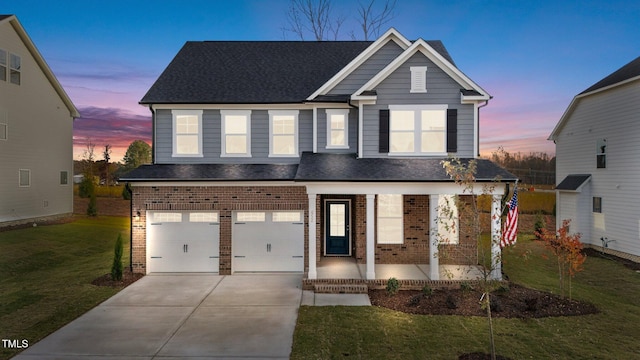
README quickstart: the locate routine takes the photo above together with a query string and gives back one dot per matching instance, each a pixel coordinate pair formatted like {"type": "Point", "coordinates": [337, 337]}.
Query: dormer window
{"type": "Point", "coordinates": [418, 79]}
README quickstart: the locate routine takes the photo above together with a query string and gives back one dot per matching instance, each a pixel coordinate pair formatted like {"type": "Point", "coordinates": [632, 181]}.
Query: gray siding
{"type": "Point", "coordinates": [612, 115]}
{"type": "Point", "coordinates": [368, 69]}
{"type": "Point", "coordinates": [211, 137]}
{"type": "Point", "coordinates": [39, 139]}
{"type": "Point", "coordinates": [352, 130]}
{"type": "Point", "coordinates": [441, 89]}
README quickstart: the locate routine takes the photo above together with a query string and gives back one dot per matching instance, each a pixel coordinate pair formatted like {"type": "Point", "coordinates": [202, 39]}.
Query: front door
{"type": "Point", "coordinates": [337, 227]}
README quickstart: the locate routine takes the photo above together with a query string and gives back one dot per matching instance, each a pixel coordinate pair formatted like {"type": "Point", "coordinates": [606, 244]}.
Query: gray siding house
{"type": "Point", "coordinates": [36, 124]}
{"type": "Point", "coordinates": [284, 156]}
{"type": "Point", "coordinates": [597, 164]}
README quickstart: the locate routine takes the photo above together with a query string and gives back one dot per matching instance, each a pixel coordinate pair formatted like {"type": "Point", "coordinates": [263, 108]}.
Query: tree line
{"type": "Point", "coordinates": [537, 168]}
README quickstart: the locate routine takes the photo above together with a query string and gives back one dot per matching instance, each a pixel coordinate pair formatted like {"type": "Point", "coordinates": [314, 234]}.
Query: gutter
{"type": "Point", "coordinates": [486, 102]}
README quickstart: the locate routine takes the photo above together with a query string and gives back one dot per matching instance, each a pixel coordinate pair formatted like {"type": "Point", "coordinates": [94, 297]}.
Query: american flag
{"type": "Point", "coordinates": [510, 230]}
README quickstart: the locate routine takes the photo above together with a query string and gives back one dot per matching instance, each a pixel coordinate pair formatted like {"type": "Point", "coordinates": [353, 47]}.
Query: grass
{"type": "Point", "coordinates": [114, 191]}
{"type": "Point", "coordinates": [47, 273]}
{"type": "Point", "coordinates": [529, 202]}
{"type": "Point", "coordinates": [377, 333]}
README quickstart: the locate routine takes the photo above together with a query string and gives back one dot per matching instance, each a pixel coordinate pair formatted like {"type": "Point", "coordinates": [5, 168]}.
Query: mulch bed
{"type": "Point", "coordinates": [128, 278]}
{"type": "Point", "coordinates": [512, 301]}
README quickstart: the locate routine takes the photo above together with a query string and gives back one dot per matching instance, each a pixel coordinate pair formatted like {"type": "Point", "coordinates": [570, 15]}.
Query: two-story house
{"type": "Point", "coordinates": [36, 126]}
{"type": "Point", "coordinates": [597, 146]}
{"type": "Point", "coordinates": [277, 155]}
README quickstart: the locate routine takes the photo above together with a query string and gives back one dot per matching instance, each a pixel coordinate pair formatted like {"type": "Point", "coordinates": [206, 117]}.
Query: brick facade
{"type": "Point", "coordinates": [223, 199]}
{"type": "Point", "coordinates": [226, 199]}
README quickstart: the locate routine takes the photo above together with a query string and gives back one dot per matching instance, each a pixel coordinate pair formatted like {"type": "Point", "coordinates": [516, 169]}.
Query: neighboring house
{"type": "Point", "coordinates": [597, 160]}
{"type": "Point", "coordinates": [36, 140]}
{"type": "Point", "coordinates": [274, 155]}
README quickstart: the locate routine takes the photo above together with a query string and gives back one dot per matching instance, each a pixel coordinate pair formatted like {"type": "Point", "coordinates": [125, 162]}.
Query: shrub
{"type": "Point", "coordinates": [86, 187]}
{"type": "Point", "coordinates": [466, 286]}
{"type": "Point", "coordinates": [496, 305]}
{"type": "Point", "coordinates": [539, 225]}
{"type": "Point", "coordinates": [427, 290]}
{"type": "Point", "coordinates": [92, 208]}
{"type": "Point", "coordinates": [125, 193]}
{"type": "Point", "coordinates": [116, 268]}
{"type": "Point", "coordinates": [415, 299]}
{"type": "Point", "coordinates": [452, 302]}
{"type": "Point", "coordinates": [393, 285]}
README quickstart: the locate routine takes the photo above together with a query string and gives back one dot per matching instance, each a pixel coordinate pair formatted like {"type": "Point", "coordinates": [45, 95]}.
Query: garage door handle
{"type": "Point", "coordinates": [241, 223]}
{"type": "Point", "coordinates": [268, 247]}
{"type": "Point", "coordinates": [214, 257]}
{"type": "Point", "coordinates": [156, 257]}
{"type": "Point", "coordinates": [237, 256]}
{"type": "Point", "coordinates": [185, 248]}
{"type": "Point", "coordinates": [297, 256]}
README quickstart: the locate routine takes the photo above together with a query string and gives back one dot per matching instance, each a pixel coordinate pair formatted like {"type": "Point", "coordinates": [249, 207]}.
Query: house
{"type": "Point", "coordinates": [36, 124]}
{"type": "Point", "coordinates": [283, 156]}
{"type": "Point", "coordinates": [597, 146]}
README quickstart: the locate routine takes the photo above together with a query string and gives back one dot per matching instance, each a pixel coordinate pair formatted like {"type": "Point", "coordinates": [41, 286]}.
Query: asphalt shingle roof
{"type": "Point", "coordinates": [316, 167]}
{"type": "Point", "coordinates": [212, 172]}
{"type": "Point", "coordinates": [2, 17]}
{"type": "Point", "coordinates": [254, 72]}
{"type": "Point", "coordinates": [573, 182]}
{"type": "Point", "coordinates": [626, 72]}
{"type": "Point", "coordinates": [346, 167]}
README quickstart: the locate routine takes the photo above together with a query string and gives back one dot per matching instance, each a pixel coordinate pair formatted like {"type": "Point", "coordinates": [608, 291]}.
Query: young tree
{"type": "Point", "coordinates": [138, 153]}
{"type": "Point", "coordinates": [107, 156]}
{"type": "Point", "coordinates": [116, 267]}
{"type": "Point", "coordinates": [464, 214]}
{"type": "Point", "coordinates": [567, 249]}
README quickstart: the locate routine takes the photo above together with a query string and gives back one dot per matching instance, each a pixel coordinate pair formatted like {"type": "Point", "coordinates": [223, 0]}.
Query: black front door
{"type": "Point", "coordinates": [337, 227]}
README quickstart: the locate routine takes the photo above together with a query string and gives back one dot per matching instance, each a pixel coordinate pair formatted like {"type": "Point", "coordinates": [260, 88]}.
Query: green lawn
{"type": "Point", "coordinates": [46, 274]}
{"type": "Point", "coordinates": [376, 333]}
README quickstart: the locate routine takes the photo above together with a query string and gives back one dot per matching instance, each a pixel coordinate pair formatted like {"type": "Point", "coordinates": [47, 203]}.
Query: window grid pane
{"type": "Point", "coordinates": [208, 217]}
{"type": "Point", "coordinates": [247, 216]}
{"type": "Point", "coordinates": [337, 227]}
{"type": "Point", "coordinates": [187, 144]}
{"type": "Point", "coordinates": [390, 219]}
{"type": "Point", "coordinates": [236, 144]}
{"type": "Point", "coordinates": [284, 144]}
{"type": "Point", "coordinates": [14, 66]}
{"type": "Point", "coordinates": [286, 216]}
{"type": "Point", "coordinates": [165, 217]}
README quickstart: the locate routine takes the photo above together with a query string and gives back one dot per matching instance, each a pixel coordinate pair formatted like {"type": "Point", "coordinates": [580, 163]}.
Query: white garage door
{"type": "Point", "coordinates": [268, 241]}
{"type": "Point", "coordinates": [186, 241]}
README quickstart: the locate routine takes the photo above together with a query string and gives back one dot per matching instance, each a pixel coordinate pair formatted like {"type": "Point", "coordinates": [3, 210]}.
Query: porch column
{"type": "Point", "coordinates": [371, 251]}
{"type": "Point", "coordinates": [434, 263]}
{"type": "Point", "coordinates": [313, 274]}
{"type": "Point", "coordinates": [496, 233]}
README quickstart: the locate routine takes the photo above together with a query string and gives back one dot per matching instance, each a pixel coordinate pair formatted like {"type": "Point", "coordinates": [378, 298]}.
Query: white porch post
{"type": "Point", "coordinates": [496, 225]}
{"type": "Point", "coordinates": [434, 263]}
{"type": "Point", "coordinates": [313, 274]}
{"type": "Point", "coordinates": [371, 254]}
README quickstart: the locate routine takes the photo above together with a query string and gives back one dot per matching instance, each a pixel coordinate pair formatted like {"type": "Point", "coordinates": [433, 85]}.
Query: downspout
{"type": "Point", "coordinates": [478, 133]}
{"type": "Point", "coordinates": [128, 188]}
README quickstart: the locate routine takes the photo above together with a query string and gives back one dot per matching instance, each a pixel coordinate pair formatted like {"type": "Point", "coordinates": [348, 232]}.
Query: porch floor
{"type": "Point", "coordinates": [347, 268]}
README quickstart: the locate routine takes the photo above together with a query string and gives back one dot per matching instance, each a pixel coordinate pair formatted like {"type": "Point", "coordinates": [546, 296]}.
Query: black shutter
{"type": "Point", "coordinates": [383, 146]}
{"type": "Point", "coordinates": [452, 130]}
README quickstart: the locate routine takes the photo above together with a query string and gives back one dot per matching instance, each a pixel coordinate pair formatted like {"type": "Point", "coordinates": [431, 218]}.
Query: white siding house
{"type": "Point", "coordinates": [36, 124]}
{"type": "Point", "coordinates": [598, 163]}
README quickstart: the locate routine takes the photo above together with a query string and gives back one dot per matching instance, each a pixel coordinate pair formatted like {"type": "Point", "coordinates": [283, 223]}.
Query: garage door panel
{"type": "Point", "coordinates": [177, 244]}
{"type": "Point", "coordinates": [265, 244]}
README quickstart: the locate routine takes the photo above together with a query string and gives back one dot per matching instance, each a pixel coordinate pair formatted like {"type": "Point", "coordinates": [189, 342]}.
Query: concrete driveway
{"type": "Point", "coordinates": [184, 316]}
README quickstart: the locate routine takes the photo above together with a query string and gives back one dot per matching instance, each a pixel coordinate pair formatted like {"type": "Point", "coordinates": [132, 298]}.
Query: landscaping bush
{"type": "Point", "coordinates": [393, 285]}
{"type": "Point", "coordinates": [116, 268]}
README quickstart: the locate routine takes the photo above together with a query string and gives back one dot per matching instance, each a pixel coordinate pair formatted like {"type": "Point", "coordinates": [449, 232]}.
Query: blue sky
{"type": "Point", "coordinates": [532, 56]}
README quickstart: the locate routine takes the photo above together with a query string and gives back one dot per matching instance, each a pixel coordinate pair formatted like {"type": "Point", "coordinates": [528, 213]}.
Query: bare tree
{"type": "Point", "coordinates": [315, 17]}
{"type": "Point", "coordinates": [371, 22]}
{"type": "Point", "coordinates": [319, 18]}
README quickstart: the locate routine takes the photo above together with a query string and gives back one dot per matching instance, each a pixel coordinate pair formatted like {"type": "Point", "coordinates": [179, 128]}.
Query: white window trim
{"type": "Point", "coordinates": [6, 131]}
{"type": "Point", "coordinates": [401, 217]}
{"type": "Point", "coordinates": [295, 114]}
{"type": "Point", "coordinates": [29, 178]}
{"type": "Point", "coordinates": [64, 171]}
{"type": "Point", "coordinates": [223, 141]}
{"type": "Point", "coordinates": [174, 115]}
{"type": "Point", "coordinates": [418, 73]}
{"type": "Point", "coordinates": [417, 129]}
{"type": "Point", "coordinates": [345, 113]}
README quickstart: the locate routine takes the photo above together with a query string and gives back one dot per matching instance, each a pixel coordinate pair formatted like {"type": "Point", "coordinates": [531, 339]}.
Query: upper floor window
{"type": "Point", "coordinates": [390, 214]}
{"type": "Point", "coordinates": [187, 133]}
{"type": "Point", "coordinates": [337, 128]}
{"type": "Point", "coordinates": [236, 133]}
{"type": "Point", "coordinates": [3, 65]}
{"type": "Point", "coordinates": [417, 129]}
{"type": "Point", "coordinates": [14, 68]}
{"type": "Point", "coordinates": [601, 154]}
{"type": "Point", "coordinates": [418, 79]}
{"type": "Point", "coordinates": [283, 133]}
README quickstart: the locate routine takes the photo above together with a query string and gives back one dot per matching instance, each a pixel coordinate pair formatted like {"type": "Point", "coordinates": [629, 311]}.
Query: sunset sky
{"type": "Point", "coordinates": [533, 57]}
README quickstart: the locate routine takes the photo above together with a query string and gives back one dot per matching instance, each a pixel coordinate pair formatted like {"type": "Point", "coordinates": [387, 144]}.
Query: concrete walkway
{"type": "Point", "coordinates": [182, 317]}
